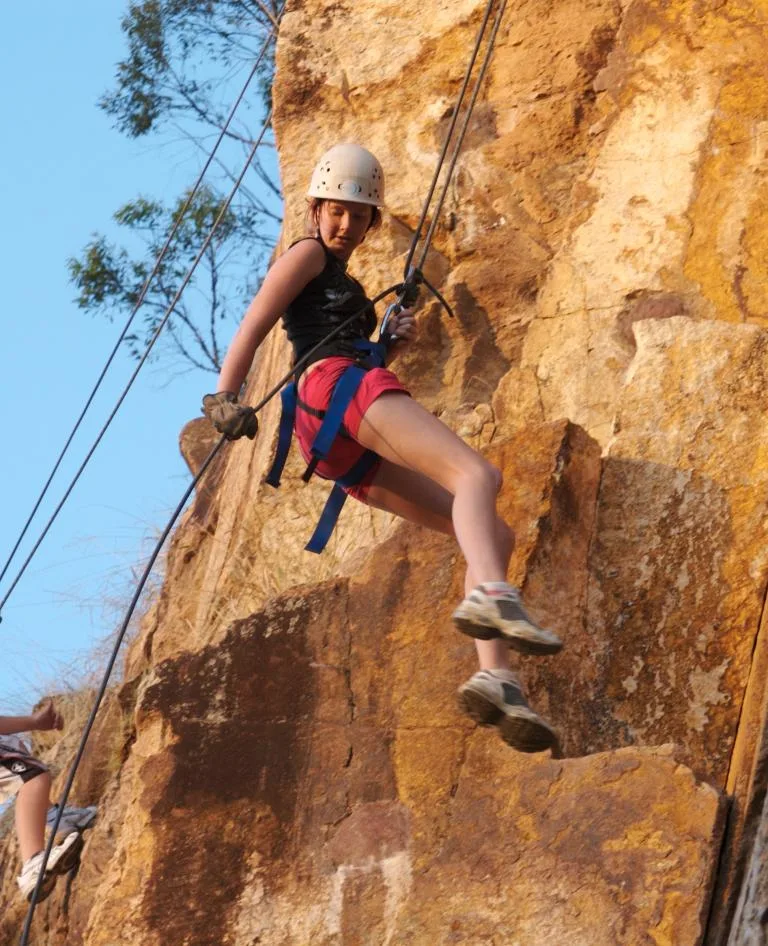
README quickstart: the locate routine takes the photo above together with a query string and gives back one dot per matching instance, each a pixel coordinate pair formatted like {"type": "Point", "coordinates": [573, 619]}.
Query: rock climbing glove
{"type": "Point", "coordinates": [228, 417]}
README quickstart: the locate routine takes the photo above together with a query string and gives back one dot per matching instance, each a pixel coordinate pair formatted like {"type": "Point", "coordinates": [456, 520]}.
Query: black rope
{"type": "Point", "coordinates": [400, 288]}
{"type": "Point", "coordinates": [449, 135]}
{"type": "Point", "coordinates": [462, 133]}
{"type": "Point", "coordinates": [140, 588]}
{"type": "Point", "coordinates": [139, 302]}
{"type": "Point", "coordinates": [407, 268]}
{"type": "Point", "coordinates": [103, 689]}
{"type": "Point", "coordinates": [138, 368]}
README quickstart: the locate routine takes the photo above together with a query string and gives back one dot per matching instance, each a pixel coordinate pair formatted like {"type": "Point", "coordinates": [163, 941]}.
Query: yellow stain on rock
{"type": "Point", "coordinates": [667, 932]}
{"type": "Point", "coordinates": [727, 252]}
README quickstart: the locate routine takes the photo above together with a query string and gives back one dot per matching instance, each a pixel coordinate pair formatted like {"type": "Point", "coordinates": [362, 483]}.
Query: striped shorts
{"type": "Point", "coordinates": [16, 768]}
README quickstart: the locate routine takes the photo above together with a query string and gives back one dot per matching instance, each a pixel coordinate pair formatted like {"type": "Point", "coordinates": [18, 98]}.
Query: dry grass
{"type": "Point", "coordinates": [6, 821]}
{"type": "Point", "coordinates": [74, 692]}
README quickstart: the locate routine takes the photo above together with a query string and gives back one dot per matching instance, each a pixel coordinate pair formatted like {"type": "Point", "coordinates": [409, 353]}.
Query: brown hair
{"type": "Point", "coordinates": [313, 215]}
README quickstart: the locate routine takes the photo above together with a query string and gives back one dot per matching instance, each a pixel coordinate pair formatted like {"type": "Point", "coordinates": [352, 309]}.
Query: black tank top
{"type": "Point", "coordinates": [325, 302]}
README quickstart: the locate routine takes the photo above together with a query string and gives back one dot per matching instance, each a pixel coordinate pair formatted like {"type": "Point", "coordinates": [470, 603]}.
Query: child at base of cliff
{"type": "Point", "coordinates": [29, 780]}
{"type": "Point", "coordinates": [420, 470]}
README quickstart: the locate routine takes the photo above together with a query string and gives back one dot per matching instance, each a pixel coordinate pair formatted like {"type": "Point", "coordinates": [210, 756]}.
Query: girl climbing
{"type": "Point", "coordinates": [389, 451]}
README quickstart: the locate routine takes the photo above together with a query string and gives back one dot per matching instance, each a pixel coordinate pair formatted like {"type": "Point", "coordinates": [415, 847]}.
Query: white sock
{"type": "Point", "coordinates": [497, 587]}
{"type": "Point", "coordinates": [502, 673]}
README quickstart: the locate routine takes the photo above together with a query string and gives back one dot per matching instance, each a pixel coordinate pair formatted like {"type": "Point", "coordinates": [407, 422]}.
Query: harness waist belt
{"type": "Point", "coordinates": [331, 427]}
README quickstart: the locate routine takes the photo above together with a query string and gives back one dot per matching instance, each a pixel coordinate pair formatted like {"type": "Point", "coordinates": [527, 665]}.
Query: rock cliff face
{"type": "Point", "coordinates": [293, 769]}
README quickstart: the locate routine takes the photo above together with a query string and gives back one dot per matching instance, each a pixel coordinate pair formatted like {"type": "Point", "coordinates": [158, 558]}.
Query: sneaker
{"type": "Point", "coordinates": [66, 855]}
{"type": "Point", "coordinates": [62, 859]}
{"type": "Point", "coordinates": [488, 613]}
{"type": "Point", "coordinates": [27, 879]}
{"type": "Point", "coordinates": [495, 698]}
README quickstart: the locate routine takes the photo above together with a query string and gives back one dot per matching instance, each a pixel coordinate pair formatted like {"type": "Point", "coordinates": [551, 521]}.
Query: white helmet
{"type": "Point", "coordinates": [348, 172]}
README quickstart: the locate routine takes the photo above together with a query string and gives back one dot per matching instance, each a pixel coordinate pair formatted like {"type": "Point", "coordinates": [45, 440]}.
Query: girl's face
{"type": "Point", "coordinates": [343, 225]}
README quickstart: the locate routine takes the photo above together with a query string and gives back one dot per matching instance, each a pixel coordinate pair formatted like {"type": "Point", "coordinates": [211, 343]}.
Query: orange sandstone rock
{"type": "Point", "coordinates": [295, 771]}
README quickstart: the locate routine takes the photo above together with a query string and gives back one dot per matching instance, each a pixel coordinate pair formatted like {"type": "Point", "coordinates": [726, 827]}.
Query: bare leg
{"type": "Point", "coordinates": [486, 698]}
{"type": "Point", "coordinates": [403, 432]}
{"type": "Point", "coordinates": [31, 809]}
{"type": "Point", "coordinates": [414, 497]}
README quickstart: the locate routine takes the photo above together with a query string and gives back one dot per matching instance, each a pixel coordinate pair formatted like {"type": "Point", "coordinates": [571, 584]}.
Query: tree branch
{"type": "Point", "coordinates": [214, 304]}
{"type": "Point", "coordinates": [188, 355]}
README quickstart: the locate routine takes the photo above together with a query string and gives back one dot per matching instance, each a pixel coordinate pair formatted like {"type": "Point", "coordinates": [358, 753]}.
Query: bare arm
{"type": "Point", "coordinates": [44, 718]}
{"type": "Point", "coordinates": [284, 281]}
{"type": "Point", "coordinates": [13, 724]}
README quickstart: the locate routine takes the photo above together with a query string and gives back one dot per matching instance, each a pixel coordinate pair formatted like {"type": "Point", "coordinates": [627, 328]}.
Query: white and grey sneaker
{"type": "Point", "coordinates": [495, 698]}
{"type": "Point", "coordinates": [27, 879]}
{"type": "Point", "coordinates": [62, 859]}
{"type": "Point", "coordinates": [489, 613]}
{"type": "Point", "coordinates": [66, 854]}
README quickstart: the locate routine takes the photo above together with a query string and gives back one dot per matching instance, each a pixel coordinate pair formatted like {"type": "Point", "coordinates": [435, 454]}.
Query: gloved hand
{"type": "Point", "coordinates": [228, 417]}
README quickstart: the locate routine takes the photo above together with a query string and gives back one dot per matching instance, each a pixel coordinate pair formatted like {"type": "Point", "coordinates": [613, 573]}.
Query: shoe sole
{"type": "Point", "coordinates": [521, 732]}
{"type": "Point", "coordinates": [46, 889]}
{"type": "Point", "coordinates": [518, 642]}
{"type": "Point", "coordinates": [70, 858]}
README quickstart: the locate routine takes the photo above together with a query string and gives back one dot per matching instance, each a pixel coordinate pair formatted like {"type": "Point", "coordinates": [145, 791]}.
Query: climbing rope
{"type": "Point", "coordinates": [449, 136]}
{"type": "Point", "coordinates": [137, 595]}
{"type": "Point", "coordinates": [413, 276]}
{"type": "Point", "coordinates": [404, 290]}
{"type": "Point", "coordinates": [145, 355]}
{"type": "Point", "coordinates": [137, 305]}
{"type": "Point", "coordinates": [465, 125]}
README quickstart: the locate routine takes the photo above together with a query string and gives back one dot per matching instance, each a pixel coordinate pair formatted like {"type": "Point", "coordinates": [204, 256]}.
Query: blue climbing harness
{"type": "Point", "coordinates": [372, 355]}
{"type": "Point", "coordinates": [331, 428]}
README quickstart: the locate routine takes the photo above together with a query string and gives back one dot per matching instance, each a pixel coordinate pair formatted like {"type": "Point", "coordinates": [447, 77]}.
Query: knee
{"type": "Point", "coordinates": [484, 474]}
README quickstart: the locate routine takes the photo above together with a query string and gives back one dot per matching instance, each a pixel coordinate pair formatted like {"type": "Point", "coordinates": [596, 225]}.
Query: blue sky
{"type": "Point", "coordinates": [65, 170]}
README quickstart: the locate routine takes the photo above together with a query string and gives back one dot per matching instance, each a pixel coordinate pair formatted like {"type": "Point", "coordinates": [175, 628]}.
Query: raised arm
{"type": "Point", "coordinates": [284, 281]}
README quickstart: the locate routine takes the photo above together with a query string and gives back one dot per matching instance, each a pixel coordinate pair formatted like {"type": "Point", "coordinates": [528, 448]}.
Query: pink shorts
{"type": "Point", "coordinates": [315, 391]}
